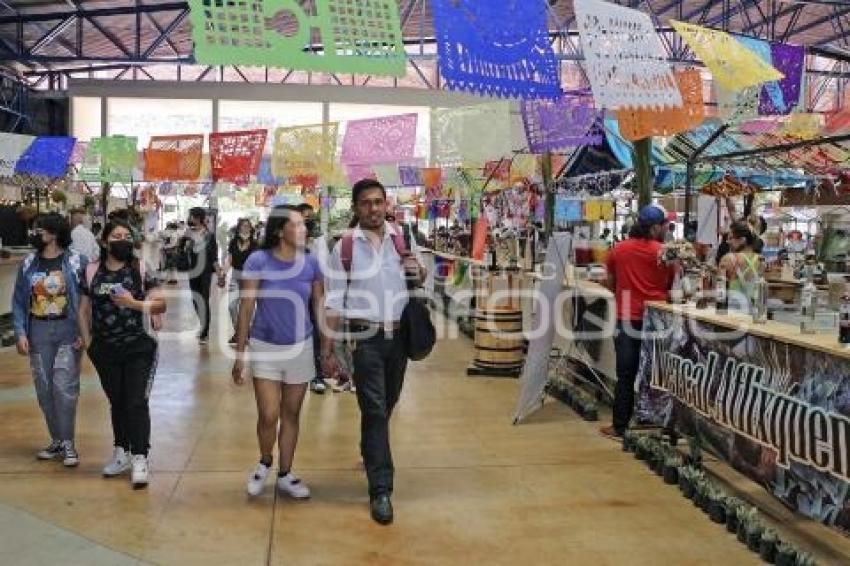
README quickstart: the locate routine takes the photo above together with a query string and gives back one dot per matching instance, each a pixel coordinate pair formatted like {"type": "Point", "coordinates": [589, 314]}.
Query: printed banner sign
{"type": "Point", "coordinates": [174, 158]}
{"type": "Point", "coordinates": [358, 37]}
{"type": "Point", "coordinates": [777, 412]}
{"type": "Point", "coordinates": [570, 121]}
{"type": "Point", "coordinates": [732, 65]}
{"type": "Point", "coordinates": [389, 139]}
{"type": "Point", "coordinates": [496, 48]}
{"type": "Point", "coordinates": [471, 134]}
{"type": "Point", "coordinates": [305, 150]}
{"type": "Point", "coordinates": [235, 156]}
{"type": "Point", "coordinates": [625, 60]}
{"type": "Point", "coordinates": [48, 156]}
{"type": "Point", "coordinates": [12, 146]}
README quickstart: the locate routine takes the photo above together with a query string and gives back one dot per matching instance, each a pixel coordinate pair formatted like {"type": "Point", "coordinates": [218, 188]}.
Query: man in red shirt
{"type": "Point", "coordinates": [636, 274]}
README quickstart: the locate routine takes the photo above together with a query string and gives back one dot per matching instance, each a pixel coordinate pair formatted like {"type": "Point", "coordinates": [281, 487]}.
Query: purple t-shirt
{"type": "Point", "coordinates": [283, 298]}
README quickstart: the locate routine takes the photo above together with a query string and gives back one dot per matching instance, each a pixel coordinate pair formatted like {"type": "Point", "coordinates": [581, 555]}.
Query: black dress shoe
{"type": "Point", "coordinates": [382, 509]}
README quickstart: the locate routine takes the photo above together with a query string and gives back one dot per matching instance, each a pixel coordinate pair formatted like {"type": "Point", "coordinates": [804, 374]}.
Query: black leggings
{"type": "Point", "coordinates": [127, 377]}
{"type": "Point", "coordinates": [200, 287]}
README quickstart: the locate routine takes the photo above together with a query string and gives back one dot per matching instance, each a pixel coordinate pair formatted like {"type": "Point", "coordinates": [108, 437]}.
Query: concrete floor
{"type": "Point", "coordinates": [470, 488]}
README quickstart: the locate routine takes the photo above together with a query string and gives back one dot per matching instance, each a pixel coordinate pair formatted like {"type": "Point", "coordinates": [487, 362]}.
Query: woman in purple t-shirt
{"type": "Point", "coordinates": [281, 281]}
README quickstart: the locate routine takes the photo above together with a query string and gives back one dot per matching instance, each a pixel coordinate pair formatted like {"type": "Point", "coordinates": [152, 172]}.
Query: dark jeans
{"type": "Point", "coordinates": [200, 287]}
{"type": "Point", "coordinates": [379, 366]}
{"type": "Point", "coordinates": [627, 343]}
{"type": "Point", "coordinates": [127, 377]}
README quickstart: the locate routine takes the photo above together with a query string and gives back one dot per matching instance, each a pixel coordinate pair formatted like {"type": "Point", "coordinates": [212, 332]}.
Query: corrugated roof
{"type": "Point", "coordinates": [802, 23]}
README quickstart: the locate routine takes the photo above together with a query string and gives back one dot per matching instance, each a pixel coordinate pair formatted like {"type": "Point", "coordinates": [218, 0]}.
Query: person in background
{"type": "Point", "coordinates": [370, 293]}
{"type": "Point", "coordinates": [741, 264]}
{"type": "Point", "coordinates": [96, 228]}
{"type": "Point", "coordinates": [636, 274]}
{"type": "Point", "coordinates": [118, 294]}
{"type": "Point", "coordinates": [241, 246]}
{"type": "Point", "coordinates": [670, 235]}
{"type": "Point", "coordinates": [45, 307]}
{"type": "Point", "coordinates": [201, 247]}
{"type": "Point", "coordinates": [83, 241]}
{"type": "Point", "coordinates": [318, 246]}
{"type": "Point", "coordinates": [260, 232]}
{"type": "Point", "coordinates": [281, 282]}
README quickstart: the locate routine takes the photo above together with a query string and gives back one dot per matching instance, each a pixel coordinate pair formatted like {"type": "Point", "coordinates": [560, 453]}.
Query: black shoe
{"type": "Point", "coordinates": [382, 509]}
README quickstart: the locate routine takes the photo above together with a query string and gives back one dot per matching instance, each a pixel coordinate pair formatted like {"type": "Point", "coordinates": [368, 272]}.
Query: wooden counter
{"type": "Point", "coordinates": [825, 342]}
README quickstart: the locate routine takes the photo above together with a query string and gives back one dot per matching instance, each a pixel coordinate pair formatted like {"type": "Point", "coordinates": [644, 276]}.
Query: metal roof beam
{"type": "Point", "coordinates": [109, 35]}
{"type": "Point", "coordinates": [94, 13]}
{"type": "Point", "coordinates": [836, 13]}
{"type": "Point", "coordinates": [52, 34]}
{"type": "Point", "coordinates": [164, 34]}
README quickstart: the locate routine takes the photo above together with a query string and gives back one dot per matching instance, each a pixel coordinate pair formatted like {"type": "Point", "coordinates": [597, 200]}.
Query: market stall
{"type": "Point", "coordinates": [771, 401]}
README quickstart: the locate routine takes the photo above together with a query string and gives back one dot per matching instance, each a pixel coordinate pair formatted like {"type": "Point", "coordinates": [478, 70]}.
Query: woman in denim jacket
{"type": "Point", "coordinates": [45, 308]}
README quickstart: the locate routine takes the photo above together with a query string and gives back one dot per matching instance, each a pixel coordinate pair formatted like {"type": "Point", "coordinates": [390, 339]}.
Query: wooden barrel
{"type": "Point", "coordinates": [499, 341]}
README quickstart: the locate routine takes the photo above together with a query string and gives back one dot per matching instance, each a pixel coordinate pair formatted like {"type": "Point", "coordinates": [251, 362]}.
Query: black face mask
{"type": "Point", "coordinates": [121, 250]}
{"type": "Point", "coordinates": [37, 242]}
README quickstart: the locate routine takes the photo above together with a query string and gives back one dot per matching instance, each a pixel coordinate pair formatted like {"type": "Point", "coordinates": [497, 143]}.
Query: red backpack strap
{"type": "Point", "coordinates": [346, 250]}
{"type": "Point", "coordinates": [398, 242]}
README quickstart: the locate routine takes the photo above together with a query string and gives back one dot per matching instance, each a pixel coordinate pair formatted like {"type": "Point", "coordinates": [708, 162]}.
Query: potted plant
{"type": "Point", "coordinates": [745, 515]}
{"type": "Point", "coordinates": [686, 482]}
{"type": "Point", "coordinates": [767, 548]}
{"type": "Point", "coordinates": [717, 506]}
{"type": "Point", "coordinates": [671, 468]}
{"type": "Point", "coordinates": [700, 492]}
{"type": "Point", "coordinates": [629, 439]}
{"type": "Point", "coordinates": [733, 505]}
{"type": "Point", "coordinates": [710, 492]}
{"type": "Point", "coordinates": [656, 460]}
{"type": "Point", "coordinates": [805, 559]}
{"type": "Point", "coordinates": [786, 554]}
{"type": "Point", "coordinates": [754, 529]}
{"type": "Point", "coordinates": [641, 447]}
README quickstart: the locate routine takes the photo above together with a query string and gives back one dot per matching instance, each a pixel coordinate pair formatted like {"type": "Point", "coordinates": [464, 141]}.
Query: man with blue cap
{"type": "Point", "coordinates": [636, 274]}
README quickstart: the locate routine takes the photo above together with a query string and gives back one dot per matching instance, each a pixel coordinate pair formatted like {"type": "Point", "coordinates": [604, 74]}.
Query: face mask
{"type": "Point", "coordinates": [37, 242]}
{"type": "Point", "coordinates": [121, 250]}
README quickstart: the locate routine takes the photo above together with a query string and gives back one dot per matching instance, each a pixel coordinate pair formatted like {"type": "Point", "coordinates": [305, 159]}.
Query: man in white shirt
{"type": "Point", "coordinates": [82, 240]}
{"type": "Point", "coordinates": [372, 304]}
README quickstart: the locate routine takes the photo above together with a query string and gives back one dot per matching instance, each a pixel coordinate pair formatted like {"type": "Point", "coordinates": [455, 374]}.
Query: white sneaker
{"type": "Point", "coordinates": [119, 463]}
{"type": "Point", "coordinates": [51, 451]}
{"type": "Point", "coordinates": [140, 472]}
{"type": "Point", "coordinates": [293, 487]}
{"type": "Point", "coordinates": [70, 458]}
{"type": "Point", "coordinates": [257, 481]}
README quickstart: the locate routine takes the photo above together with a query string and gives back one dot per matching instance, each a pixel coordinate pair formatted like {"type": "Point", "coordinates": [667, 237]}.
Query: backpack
{"type": "Point", "coordinates": [416, 329]}
{"type": "Point", "coordinates": [91, 271]}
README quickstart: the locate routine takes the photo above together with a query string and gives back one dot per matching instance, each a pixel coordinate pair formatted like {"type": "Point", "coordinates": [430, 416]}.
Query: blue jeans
{"type": "Point", "coordinates": [379, 366]}
{"type": "Point", "coordinates": [55, 365]}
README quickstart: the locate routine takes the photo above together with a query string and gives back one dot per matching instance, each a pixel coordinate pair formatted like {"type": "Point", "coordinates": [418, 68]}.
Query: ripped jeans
{"type": "Point", "coordinates": [55, 364]}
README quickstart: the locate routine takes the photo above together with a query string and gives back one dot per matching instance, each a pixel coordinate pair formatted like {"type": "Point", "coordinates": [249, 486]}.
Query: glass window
{"type": "Point", "coordinates": [146, 117]}
{"type": "Point", "coordinates": [85, 117]}
{"type": "Point", "coordinates": [235, 115]}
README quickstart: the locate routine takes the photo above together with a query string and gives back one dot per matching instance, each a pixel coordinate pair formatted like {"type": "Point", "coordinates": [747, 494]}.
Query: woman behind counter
{"type": "Point", "coordinates": [741, 265]}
